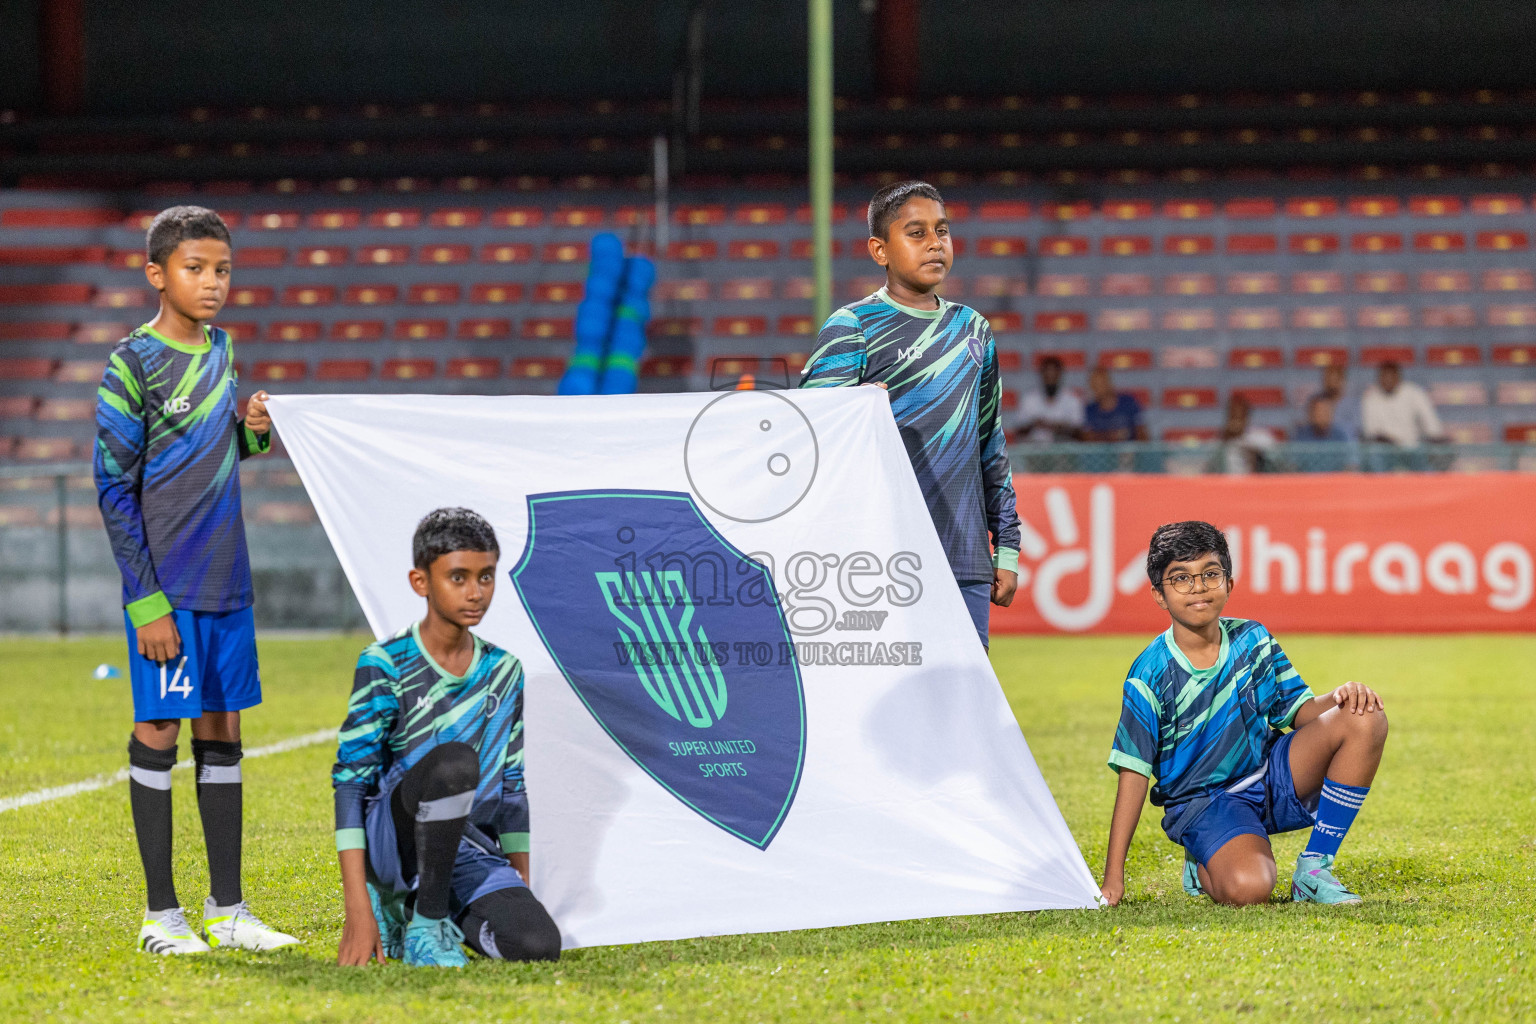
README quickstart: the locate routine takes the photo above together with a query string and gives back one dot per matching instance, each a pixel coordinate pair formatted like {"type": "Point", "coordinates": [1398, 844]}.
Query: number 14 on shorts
{"type": "Point", "coordinates": [179, 681]}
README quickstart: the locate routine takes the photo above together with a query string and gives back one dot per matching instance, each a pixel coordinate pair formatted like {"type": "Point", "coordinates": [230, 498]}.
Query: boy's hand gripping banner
{"type": "Point", "coordinates": [754, 699]}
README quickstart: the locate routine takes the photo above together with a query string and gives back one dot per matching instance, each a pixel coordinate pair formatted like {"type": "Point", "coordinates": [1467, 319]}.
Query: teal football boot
{"type": "Point", "coordinates": [434, 943]}
{"type": "Point", "coordinates": [389, 912]}
{"type": "Point", "coordinates": [1314, 882]}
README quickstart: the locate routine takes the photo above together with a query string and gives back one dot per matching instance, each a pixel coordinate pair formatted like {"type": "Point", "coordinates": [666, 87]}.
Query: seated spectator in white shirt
{"type": "Point", "coordinates": [1398, 412]}
{"type": "Point", "coordinates": [1245, 448]}
{"type": "Point", "coordinates": [1052, 413]}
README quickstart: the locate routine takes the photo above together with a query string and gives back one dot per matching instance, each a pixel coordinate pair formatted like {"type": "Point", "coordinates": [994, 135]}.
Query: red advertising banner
{"type": "Point", "coordinates": [1326, 552]}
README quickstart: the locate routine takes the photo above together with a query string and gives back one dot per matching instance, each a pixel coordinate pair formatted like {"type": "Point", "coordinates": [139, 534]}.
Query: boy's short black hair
{"type": "Point", "coordinates": [1050, 361]}
{"type": "Point", "coordinates": [883, 207]}
{"type": "Point", "coordinates": [182, 224]}
{"type": "Point", "coordinates": [1179, 542]}
{"type": "Point", "coordinates": [446, 530]}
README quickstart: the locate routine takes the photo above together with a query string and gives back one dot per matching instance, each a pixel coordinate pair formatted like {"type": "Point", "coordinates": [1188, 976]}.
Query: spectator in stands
{"type": "Point", "coordinates": [1053, 413]}
{"type": "Point", "coordinates": [1398, 412]}
{"type": "Point", "coordinates": [1321, 424]}
{"type": "Point", "coordinates": [1112, 415]}
{"type": "Point", "coordinates": [1245, 447]}
{"type": "Point", "coordinates": [1336, 390]}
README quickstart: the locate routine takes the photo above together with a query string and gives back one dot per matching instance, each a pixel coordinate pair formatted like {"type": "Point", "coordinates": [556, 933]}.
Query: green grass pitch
{"type": "Point", "coordinates": [1443, 853]}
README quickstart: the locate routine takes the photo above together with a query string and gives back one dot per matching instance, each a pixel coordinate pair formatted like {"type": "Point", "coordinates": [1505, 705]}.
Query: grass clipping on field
{"type": "Point", "coordinates": [1443, 852]}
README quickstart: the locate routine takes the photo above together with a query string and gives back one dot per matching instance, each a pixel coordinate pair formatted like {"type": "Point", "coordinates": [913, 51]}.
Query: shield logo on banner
{"type": "Point", "coordinates": [676, 643]}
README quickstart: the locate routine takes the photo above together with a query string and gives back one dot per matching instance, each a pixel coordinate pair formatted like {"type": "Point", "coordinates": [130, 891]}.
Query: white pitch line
{"type": "Point", "coordinates": [43, 796]}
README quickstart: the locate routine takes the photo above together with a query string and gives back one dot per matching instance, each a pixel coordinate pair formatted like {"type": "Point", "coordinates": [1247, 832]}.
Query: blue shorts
{"type": "Point", "coordinates": [978, 601]}
{"type": "Point", "coordinates": [1267, 807]}
{"type": "Point", "coordinates": [215, 671]}
{"type": "Point", "coordinates": [479, 868]}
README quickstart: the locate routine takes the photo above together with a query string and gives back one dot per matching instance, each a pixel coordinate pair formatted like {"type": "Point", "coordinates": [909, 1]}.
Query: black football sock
{"type": "Point", "coordinates": [219, 801]}
{"type": "Point", "coordinates": [510, 924]}
{"type": "Point", "coordinates": [433, 801]}
{"type": "Point", "coordinates": [149, 794]}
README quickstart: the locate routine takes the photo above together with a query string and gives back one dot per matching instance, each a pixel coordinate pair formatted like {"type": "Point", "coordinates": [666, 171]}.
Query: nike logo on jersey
{"type": "Point", "coordinates": [176, 405]}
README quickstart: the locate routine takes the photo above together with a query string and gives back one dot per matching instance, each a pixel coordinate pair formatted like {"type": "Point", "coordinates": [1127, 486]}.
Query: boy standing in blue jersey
{"type": "Point", "coordinates": [168, 447]}
{"type": "Point", "coordinates": [938, 361]}
{"type": "Point", "coordinates": [431, 812]}
{"type": "Point", "coordinates": [1204, 709]}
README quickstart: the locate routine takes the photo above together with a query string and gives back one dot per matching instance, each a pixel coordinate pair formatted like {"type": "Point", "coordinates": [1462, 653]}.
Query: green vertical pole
{"type": "Point", "coordinates": [61, 496]}
{"type": "Point", "coordinates": [821, 154]}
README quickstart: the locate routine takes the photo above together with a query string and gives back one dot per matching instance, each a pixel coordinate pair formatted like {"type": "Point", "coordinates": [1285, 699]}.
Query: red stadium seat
{"type": "Point", "coordinates": [1453, 355]}
{"type": "Point", "coordinates": [17, 407]}
{"type": "Point", "coordinates": [240, 330]}
{"type": "Point", "coordinates": [272, 220]}
{"type": "Point", "coordinates": [1312, 244]}
{"type": "Point", "coordinates": [324, 256]}
{"type": "Point", "coordinates": [1516, 392]}
{"type": "Point", "coordinates": [334, 220]}
{"type": "Point", "coordinates": [1511, 316]}
{"type": "Point", "coordinates": [1050, 245]}
{"type": "Point", "coordinates": [792, 324]}
{"type": "Point", "coordinates": [1320, 357]}
{"type": "Point", "coordinates": [1319, 318]}
{"type": "Point", "coordinates": [517, 217]}
{"type": "Point", "coordinates": [558, 291]}
{"type": "Point", "coordinates": [1497, 205]}
{"type": "Point", "coordinates": [1381, 281]}
{"type": "Point", "coordinates": [78, 371]}
{"type": "Point", "coordinates": [798, 288]}
{"type": "Point", "coordinates": [383, 255]}
{"type": "Point", "coordinates": [1125, 359]}
{"type": "Point", "coordinates": [858, 287]}
{"type": "Point", "coordinates": [480, 329]}
{"type": "Point", "coordinates": [1376, 242]}
{"type": "Point", "coordinates": [564, 252]}
{"type": "Point", "coordinates": [740, 326]}
{"type": "Point", "coordinates": [1384, 316]}
{"type": "Point", "coordinates": [698, 250]}
{"type": "Point", "coordinates": [452, 217]}
{"type": "Point", "coordinates": [674, 327]}
{"type": "Point", "coordinates": [39, 330]}
{"type": "Point", "coordinates": [443, 255]}
{"type": "Point", "coordinates": [1126, 245]}
{"type": "Point", "coordinates": [1004, 210]}
{"type": "Point", "coordinates": [1253, 283]}
{"type": "Point", "coordinates": [408, 369]}
{"type": "Point", "coordinates": [537, 369]}
{"type": "Point", "coordinates": [1189, 245]}
{"type": "Point", "coordinates": [1317, 282]}
{"type": "Point", "coordinates": [433, 294]}
{"type": "Point", "coordinates": [1502, 241]}
{"type": "Point", "coordinates": [1439, 241]}
{"type": "Point", "coordinates": [1252, 245]}
{"type": "Point", "coordinates": [52, 255]}
{"type": "Point", "coordinates": [344, 369]}
{"type": "Point", "coordinates": [1459, 393]}
{"type": "Point", "coordinates": [45, 294]}
{"type": "Point", "coordinates": [357, 330]}
{"type": "Point", "coordinates": [1373, 206]}
{"type": "Point", "coordinates": [1125, 284]}
{"type": "Point", "coordinates": [1189, 284]}
{"type": "Point", "coordinates": [250, 295]}
{"type": "Point", "coordinates": [1520, 433]}
{"type": "Point", "coordinates": [1188, 357]}
{"type": "Point", "coordinates": [996, 286]}
{"type": "Point", "coordinates": [1048, 284]}
{"type": "Point", "coordinates": [1189, 209]}
{"type": "Point", "coordinates": [1448, 316]}
{"type": "Point", "coordinates": [1139, 319]}
{"type": "Point", "coordinates": [577, 216]}
{"type": "Point", "coordinates": [421, 330]}
{"type": "Point", "coordinates": [1061, 321]}
{"type": "Point", "coordinates": [45, 449]}
{"type": "Point", "coordinates": [1005, 322]}
{"type": "Point", "coordinates": [123, 298]}
{"type": "Point", "coordinates": [1262, 397]}
{"type": "Point", "coordinates": [1188, 320]}
{"type": "Point", "coordinates": [1189, 398]}
{"type": "Point", "coordinates": [260, 256]}
{"type": "Point", "coordinates": [747, 288]}
{"type": "Point", "coordinates": [506, 252]}
{"type": "Point", "coordinates": [293, 330]}
{"type": "Point", "coordinates": [30, 368]}
{"type": "Point", "coordinates": [709, 213]}
{"type": "Point", "coordinates": [1475, 432]}
{"type": "Point", "coordinates": [279, 370]}
{"type": "Point", "coordinates": [556, 328]}
{"type": "Point", "coordinates": [399, 217]}
{"type": "Point", "coordinates": [760, 249]}
{"type": "Point", "coordinates": [1255, 318]}
{"type": "Point", "coordinates": [371, 295]}
{"type": "Point", "coordinates": [1009, 360]}
{"type": "Point", "coordinates": [309, 295]}
{"type": "Point", "coordinates": [802, 248]}
{"type": "Point", "coordinates": [1514, 355]}
{"type": "Point", "coordinates": [496, 293]}
{"type": "Point", "coordinates": [666, 366]}
{"type": "Point", "coordinates": [473, 369]}
{"type": "Point", "coordinates": [61, 217]}
{"type": "Point", "coordinates": [1508, 280]}
{"type": "Point", "coordinates": [1127, 209]}
{"type": "Point", "coordinates": [1250, 209]}
{"type": "Point", "coordinates": [1435, 206]}
{"type": "Point", "coordinates": [803, 212]}
{"type": "Point", "coordinates": [1256, 359]}
{"type": "Point", "coordinates": [761, 213]}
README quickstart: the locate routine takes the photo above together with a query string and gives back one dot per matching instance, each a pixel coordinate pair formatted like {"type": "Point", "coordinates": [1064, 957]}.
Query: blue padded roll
{"type": "Point", "coordinates": [621, 366]}
{"type": "Point", "coordinates": [594, 317]}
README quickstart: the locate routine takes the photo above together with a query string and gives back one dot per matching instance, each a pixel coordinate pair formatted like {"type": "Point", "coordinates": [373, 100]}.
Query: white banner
{"type": "Point", "coordinates": [754, 698]}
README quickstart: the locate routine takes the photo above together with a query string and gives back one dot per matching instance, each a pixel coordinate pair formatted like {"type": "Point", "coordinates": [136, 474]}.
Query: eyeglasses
{"type": "Point", "coordinates": [1184, 583]}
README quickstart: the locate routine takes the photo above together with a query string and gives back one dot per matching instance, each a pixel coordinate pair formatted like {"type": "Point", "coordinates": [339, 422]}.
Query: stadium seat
{"type": "Point", "coordinates": [709, 213]}
{"type": "Point", "coordinates": [759, 249]}
{"type": "Point", "coordinates": [260, 256]}
{"type": "Point", "coordinates": [47, 449]}
{"type": "Point", "coordinates": [1125, 359]}
{"type": "Point", "coordinates": [1502, 241]}
{"type": "Point", "coordinates": [1498, 205]}
{"type": "Point", "coordinates": [557, 328]}
{"type": "Point", "coordinates": [1256, 359]}
{"type": "Point", "coordinates": [1251, 245]}
{"type": "Point", "coordinates": [1254, 318]}
{"type": "Point", "coordinates": [1319, 357]}
{"type": "Point", "coordinates": [125, 259]}
{"type": "Point", "coordinates": [568, 252]}
{"type": "Point", "coordinates": [1187, 357]}
{"type": "Point", "coordinates": [401, 217]}
{"type": "Point", "coordinates": [39, 330]}
{"type": "Point", "coordinates": [747, 288]}
{"type": "Point", "coordinates": [473, 369]}
{"type": "Point", "coordinates": [1319, 318]}
{"type": "Point", "coordinates": [309, 295]}
{"type": "Point", "coordinates": [326, 256]}
{"type": "Point", "coordinates": [506, 252]}
{"type": "Point", "coordinates": [357, 330]}
{"type": "Point", "coordinates": [449, 217]}
{"type": "Point", "coordinates": [1447, 392]}
{"type": "Point", "coordinates": [1448, 316]}
{"type": "Point", "coordinates": [1125, 284]}
{"type": "Point", "coordinates": [1317, 282]}
{"type": "Point", "coordinates": [408, 369]}
{"type": "Point", "coordinates": [1381, 281]}
{"type": "Point", "coordinates": [1509, 280]}
{"type": "Point", "coordinates": [1511, 316]}
{"type": "Point", "coordinates": [113, 297]}
{"type": "Point", "coordinates": [1126, 209]}
{"type": "Point", "coordinates": [1373, 206]}
{"type": "Point", "coordinates": [1139, 319]}
{"type": "Point", "coordinates": [1009, 360]}
{"type": "Point", "coordinates": [79, 371]}
{"type": "Point", "coordinates": [483, 328]}
{"type": "Point", "coordinates": [334, 220]}
{"type": "Point", "coordinates": [1126, 245]}
{"type": "Point", "coordinates": [444, 255]}
{"type": "Point", "coordinates": [1253, 283]}
{"type": "Point", "coordinates": [794, 324]}
{"type": "Point", "coordinates": [279, 370]}
{"type": "Point", "coordinates": [51, 255]}
{"type": "Point", "coordinates": [798, 288]}
{"type": "Point", "coordinates": [1189, 245]}
{"type": "Point", "coordinates": [1439, 241]}
{"type": "Point", "coordinates": [293, 330]}
{"type": "Point", "coordinates": [540, 368]}
{"type": "Point", "coordinates": [672, 327]}
{"type": "Point", "coordinates": [1188, 320]}
{"type": "Point", "coordinates": [517, 217]}
{"type": "Point", "coordinates": [802, 249]}
{"type": "Point", "coordinates": [1006, 322]}
{"type": "Point", "coordinates": [1003, 210]}
{"type": "Point", "coordinates": [559, 291]}
{"type": "Point", "coordinates": [577, 217]}
{"type": "Point", "coordinates": [1520, 433]}
{"type": "Point", "coordinates": [1453, 355]}
{"type": "Point", "coordinates": [1262, 398]}
{"type": "Point", "coordinates": [433, 294]}
{"type": "Point", "coordinates": [1376, 242]}
{"type": "Point", "coordinates": [740, 326]}
{"type": "Point", "coordinates": [760, 213]}
{"type": "Point", "coordinates": [45, 294]}
{"type": "Point", "coordinates": [1383, 316]}
{"type": "Point", "coordinates": [55, 218]}
{"type": "Point", "coordinates": [17, 407]}
{"type": "Point", "coordinates": [251, 295]}
{"type": "Point", "coordinates": [1060, 321]}
{"type": "Point", "coordinates": [1189, 284]}
{"type": "Point", "coordinates": [1065, 246]}
{"type": "Point", "coordinates": [66, 410]}
{"type": "Point", "coordinates": [1471, 432]}
{"type": "Point", "coordinates": [344, 369]}
{"type": "Point", "coordinates": [1516, 392]}
{"type": "Point", "coordinates": [496, 293]}
{"type": "Point", "coordinates": [420, 330]}
{"type": "Point", "coordinates": [858, 287]}
{"type": "Point", "coordinates": [1189, 398]}
{"type": "Point", "coordinates": [31, 368]}
{"type": "Point", "coordinates": [16, 515]}
{"type": "Point", "coordinates": [1002, 285]}
{"type": "Point", "coordinates": [1312, 243]}
{"type": "Point", "coordinates": [666, 366]}
{"type": "Point", "coordinates": [272, 220]}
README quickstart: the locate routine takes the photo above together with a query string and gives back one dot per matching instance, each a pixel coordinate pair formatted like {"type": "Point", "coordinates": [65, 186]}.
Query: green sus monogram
{"type": "Point", "coordinates": [668, 653]}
